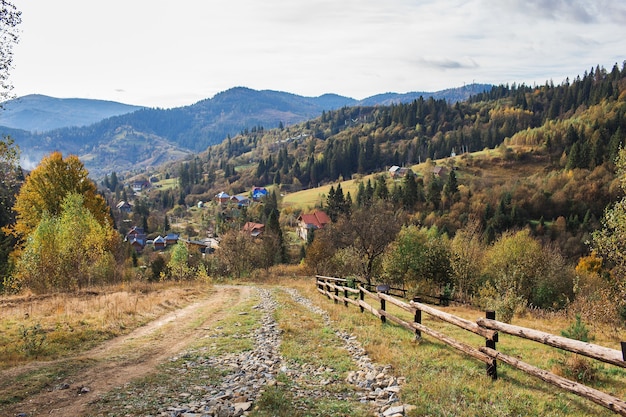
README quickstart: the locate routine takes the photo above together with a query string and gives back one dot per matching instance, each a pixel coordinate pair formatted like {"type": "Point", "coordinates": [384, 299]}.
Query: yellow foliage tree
{"type": "Point", "coordinates": [66, 252]}
{"type": "Point", "coordinates": [47, 186]}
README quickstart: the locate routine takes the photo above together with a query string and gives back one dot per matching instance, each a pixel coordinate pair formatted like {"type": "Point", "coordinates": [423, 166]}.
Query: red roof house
{"type": "Point", "coordinates": [316, 220]}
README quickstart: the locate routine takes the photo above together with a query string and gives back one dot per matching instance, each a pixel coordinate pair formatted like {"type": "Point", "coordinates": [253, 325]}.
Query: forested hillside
{"type": "Point", "coordinates": [500, 205]}
{"type": "Point", "coordinates": [148, 137]}
{"type": "Point", "coordinates": [518, 165]}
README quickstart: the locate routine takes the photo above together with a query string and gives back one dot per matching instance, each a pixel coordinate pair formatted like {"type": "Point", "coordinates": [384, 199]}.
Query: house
{"type": "Point", "coordinates": [138, 186]}
{"type": "Point", "coordinates": [159, 243]}
{"type": "Point", "coordinates": [439, 171]}
{"type": "Point", "coordinates": [136, 237]}
{"type": "Point", "coordinates": [398, 172]}
{"type": "Point", "coordinates": [171, 239]}
{"type": "Point", "coordinates": [222, 197]}
{"type": "Point", "coordinates": [124, 207]}
{"type": "Point", "coordinates": [316, 220]}
{"type": "Point", "coordinates": [240, 200]}
{"type": "Point", "coordinates": [255, 229]}
{"type": "Point", "coordinates": [258, 193]}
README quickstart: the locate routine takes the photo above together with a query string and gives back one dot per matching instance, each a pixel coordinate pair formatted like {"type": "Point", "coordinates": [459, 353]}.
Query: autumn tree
{"type": "Point", "coordinates": [237, 254]}
{"type": "Point", "coordinates": [609, 242]}
{"type": "Point", "coordinates": [369, 230]}
{"type": "Point", "coordinates": [178, 265]}
{"type": "Point", "coordinates": [67, 251]}
{"type": "Point", "coordinates": [467, 253]}
{"type": "Point", "coordinates": [418, 256]}
{"type": "Point", "coordinates": [46, 188]}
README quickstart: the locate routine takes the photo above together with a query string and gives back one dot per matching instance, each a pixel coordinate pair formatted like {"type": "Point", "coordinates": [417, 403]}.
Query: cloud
{"type": "Point", "coordinates": [446, 63]}
{"type": "Point", "coordinates": [573, 11]}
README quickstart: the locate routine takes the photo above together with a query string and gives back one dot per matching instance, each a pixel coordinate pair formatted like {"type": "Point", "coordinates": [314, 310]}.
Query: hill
{"type": "Point", "coordinates": [186, 129]}
{"type": "Point", "coordinates": [39, 113]}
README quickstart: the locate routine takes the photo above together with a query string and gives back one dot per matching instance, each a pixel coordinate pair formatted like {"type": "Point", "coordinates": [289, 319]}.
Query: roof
{"type": "Point", "coordinates": [317, 219]}
{"type": "Point", "coordinates": [172, 236]}
{"type": "Point", "coordinates": [254, 229]}
{"type": "Point", "coordinates": [222, 195]}
{"type": "Point", "coordinates": [239, 198]}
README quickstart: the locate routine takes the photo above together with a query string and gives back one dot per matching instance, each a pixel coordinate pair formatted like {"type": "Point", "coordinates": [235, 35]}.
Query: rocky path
{"type": "Point", "coordinates": [243, 377]}
{"type": "Point", "coordinates": [249, 373]}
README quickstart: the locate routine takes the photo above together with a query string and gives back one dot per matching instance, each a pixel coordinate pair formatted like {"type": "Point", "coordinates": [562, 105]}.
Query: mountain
{"type": "Point", "coordinates": [115, 144]}
{"type": "Point", "coordinates": [39, 113]}
{"type": "Point", "coordinates": [451, 94]}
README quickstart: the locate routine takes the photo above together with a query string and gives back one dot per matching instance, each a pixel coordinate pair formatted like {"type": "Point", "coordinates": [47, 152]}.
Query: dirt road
{"type": "Point", "coordinates": [125, 358]}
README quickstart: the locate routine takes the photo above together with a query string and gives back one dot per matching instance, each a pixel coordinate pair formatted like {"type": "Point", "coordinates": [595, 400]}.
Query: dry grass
{"type": "Point", "coordinates": [444, 382]}
{"type": "Point", "coordinates": [73, 322]}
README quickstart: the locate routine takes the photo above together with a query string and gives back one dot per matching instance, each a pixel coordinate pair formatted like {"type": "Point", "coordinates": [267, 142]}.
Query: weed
{"type": "Point", "coordinates": [577, 368]}
{"type": "Point", "coordinates": [33, 339]}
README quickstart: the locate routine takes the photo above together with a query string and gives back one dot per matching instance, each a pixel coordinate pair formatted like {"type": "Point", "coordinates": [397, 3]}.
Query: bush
{"type": "Point", "coordinates": [577, 330]}
{"type": "Point", "coordinates": [33, 339]}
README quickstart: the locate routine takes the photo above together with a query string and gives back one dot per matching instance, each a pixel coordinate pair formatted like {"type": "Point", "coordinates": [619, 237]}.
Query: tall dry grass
{"type": "Point", "coordinates": [74, 322]}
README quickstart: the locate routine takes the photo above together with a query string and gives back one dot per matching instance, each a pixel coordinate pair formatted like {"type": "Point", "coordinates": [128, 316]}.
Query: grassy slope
{"type": "Point", "coordinates": [444, 382]}
{"type": "Point", "coordinates": [488, 165]}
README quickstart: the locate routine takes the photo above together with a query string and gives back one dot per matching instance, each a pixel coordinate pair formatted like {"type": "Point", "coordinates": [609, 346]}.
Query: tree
{"type": "Point", "coordinates": [418, 255]}
{"type": "Point", "coordinates": [467, 253]}
{"type": "Point", "coordinates": [47, 186]}
{"type": "Point", "coordinates": [10, 175]}
{"type": "Point", "coordinates": [369, 230]}
{"type": "Point", "coordinates": [236, 254]}
{"type": "Point", "coordinates": [9, 178]}
{"type": "Point", "coordinates": [10, 18]}
{"type": "Point", "coordinates": [178, 266]}
{"type": "Point", "coordinates": [67, 251]}
{"type": "Point", "coordinates": [609, 242]}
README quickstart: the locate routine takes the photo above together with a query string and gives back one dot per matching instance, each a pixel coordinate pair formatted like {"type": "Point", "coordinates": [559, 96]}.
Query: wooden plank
{"type": "Point", "coordinates": [321, 277]}
{"type": "Point", "coordinates": [600, 353]}
{"type": "Point", "coordinates": [398, 303]}
{"type": "Point", "coordinates": [369, 308]}
{"type": "Point", "coordinates": [457, 321]}
{"type": "Point", "coordinates": [371, 294]}
{"type": "Point", "coordinates": [352, 301]}
{"type": "Point", "coordinates": [472, 351]}
{"type": "Point", "coordinates": [605, 400]}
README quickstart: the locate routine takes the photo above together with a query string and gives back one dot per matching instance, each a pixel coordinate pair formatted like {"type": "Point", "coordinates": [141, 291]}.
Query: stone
{"type": "Point", "coordinates": [392, 411]}
{"type": "Point", "coordinates": [245, 406]}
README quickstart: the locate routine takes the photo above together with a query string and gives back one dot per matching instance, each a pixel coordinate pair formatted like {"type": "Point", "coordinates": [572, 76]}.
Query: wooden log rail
{"type": "Point", "coordinates": [614, 404]}
{"type": "Point", "coordinates": [487, 328]}
{"type": "Point", "coordinates": [601, 353]}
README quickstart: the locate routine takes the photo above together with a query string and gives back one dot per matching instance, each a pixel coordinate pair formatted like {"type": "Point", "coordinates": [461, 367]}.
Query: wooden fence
{"type": "Point", "coordinates": [338, 290]}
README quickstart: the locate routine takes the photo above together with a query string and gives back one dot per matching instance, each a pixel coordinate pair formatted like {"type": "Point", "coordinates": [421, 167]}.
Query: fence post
{"type": "Point", "coordinates": [362, 298]}
{"type": "Point", "coordinates": [336, 293]}
{"type": "Point", "coordinates": [418, 317]}
{"type": "Point", "coordinates": [327, 288]}
{"type": "Point", "coordinates": [492, 368]}
{"type": "Point", "coordinates": [382, 307]}
{"type": "Point", "coordinates": [345, 296]}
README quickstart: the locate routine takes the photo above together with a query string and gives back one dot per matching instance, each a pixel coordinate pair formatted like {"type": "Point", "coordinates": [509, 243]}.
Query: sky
{"type": "Point", "coordinates": [167, 54]}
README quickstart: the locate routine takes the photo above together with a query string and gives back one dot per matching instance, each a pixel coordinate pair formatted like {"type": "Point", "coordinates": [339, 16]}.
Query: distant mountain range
{"type": "Point", "coordinates": [38, 113]}
{"type": "Point", "coordinates": [110, 136]}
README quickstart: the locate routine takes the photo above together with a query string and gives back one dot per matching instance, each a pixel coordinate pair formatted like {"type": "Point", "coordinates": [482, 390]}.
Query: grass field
{"type": "Point", "coordinates": [440, 381]}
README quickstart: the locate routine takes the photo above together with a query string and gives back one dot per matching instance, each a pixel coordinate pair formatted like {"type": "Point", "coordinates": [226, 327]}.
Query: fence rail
{"type": "Point", "coordinates": [338, 290]}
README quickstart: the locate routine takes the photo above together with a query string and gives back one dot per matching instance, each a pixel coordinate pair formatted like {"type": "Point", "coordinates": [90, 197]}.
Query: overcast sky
{"type": "Point", "coordinates": [161, 53]}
